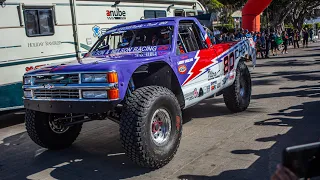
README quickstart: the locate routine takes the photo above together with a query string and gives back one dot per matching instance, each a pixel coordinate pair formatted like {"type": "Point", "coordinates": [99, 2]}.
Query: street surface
{"type": "Point", "coordinates": [216, 144]}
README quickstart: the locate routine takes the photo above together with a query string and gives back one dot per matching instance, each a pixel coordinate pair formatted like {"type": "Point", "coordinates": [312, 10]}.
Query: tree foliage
{"type": "Point", "coordinates": [290, 11]}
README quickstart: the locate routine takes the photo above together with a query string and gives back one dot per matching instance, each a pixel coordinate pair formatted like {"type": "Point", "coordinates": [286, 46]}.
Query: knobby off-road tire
{"type": "Point", "coordinates": [138, 124]}
{"type": "Point", "coordinates": [237, 97]}
{"type": "Point", "coordinates": [39, 130]}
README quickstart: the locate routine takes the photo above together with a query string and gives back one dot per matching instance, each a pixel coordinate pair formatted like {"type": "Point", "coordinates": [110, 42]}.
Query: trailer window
{"type": "Point", "coordinates": [190, 14]}
{"type": "Point", "coordinates": [39, 22]}
{"type": "Point", "coordinates": [154, 14]}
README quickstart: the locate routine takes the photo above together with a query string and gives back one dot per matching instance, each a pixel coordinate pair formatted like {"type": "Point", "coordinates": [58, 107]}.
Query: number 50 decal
{"type": "Point", "coordinates": [228, 62]}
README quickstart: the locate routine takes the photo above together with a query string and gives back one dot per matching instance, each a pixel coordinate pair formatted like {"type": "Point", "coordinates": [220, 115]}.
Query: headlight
{"type": "Point", "coordinates": [27, 80]}
{"type": "Point", "coordinates": [94, 94]}
{"type": "Point", "coordinates": [27, 94]}
{"type": "Point", "coordinates": [110, 77]}
{"type": "Point", "coordinates": [94, 78]}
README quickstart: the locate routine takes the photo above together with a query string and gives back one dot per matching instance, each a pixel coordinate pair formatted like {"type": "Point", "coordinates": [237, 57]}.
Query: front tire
{"type": "Point", "coordinates": [237, 97]}
{"type": "Point", "coordinates": [43, 132]}
{"type": "Point", "coordinates": [151, 126]}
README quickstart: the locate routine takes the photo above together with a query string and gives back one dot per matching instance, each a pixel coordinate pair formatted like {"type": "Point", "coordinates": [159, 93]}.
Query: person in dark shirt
{"type": "Point", "coordinates": [296, 38]}
{"type": "Point", "coordinates": [274, 45]}
{"type": "Point", "coordinates": [305, 37]}
{"type": "Point", "coordinates": [268, 44]}
{"type": "Point", "coordinates": [285, 39]}
{"type": "Point", "coordinates": [311, 34]}
{"type": "Point", "coordinates": [290, 34]}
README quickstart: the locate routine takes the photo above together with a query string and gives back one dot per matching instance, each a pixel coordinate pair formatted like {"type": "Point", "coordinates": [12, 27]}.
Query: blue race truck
{"type": "Point", "coordinates": [142, 75]}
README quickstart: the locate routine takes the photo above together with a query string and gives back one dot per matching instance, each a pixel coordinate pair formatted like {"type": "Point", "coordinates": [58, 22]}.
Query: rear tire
{"type": "Point", "coordinates": [41, 130]}
{"type": "Point", "coordinates": [237, 97]}
{"type": "Point", "coordinates": [151, 126]}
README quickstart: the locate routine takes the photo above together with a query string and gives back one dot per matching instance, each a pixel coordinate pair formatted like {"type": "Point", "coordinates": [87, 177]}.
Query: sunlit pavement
{"type": "Point", "coordinates": [216, 144]}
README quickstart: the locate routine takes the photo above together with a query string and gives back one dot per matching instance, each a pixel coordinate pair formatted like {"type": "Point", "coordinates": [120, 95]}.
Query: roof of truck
{"type": "Point", "coordinates": [154, 20]}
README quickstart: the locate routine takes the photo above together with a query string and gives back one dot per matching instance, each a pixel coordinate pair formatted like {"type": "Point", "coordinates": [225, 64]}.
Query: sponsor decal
{"type": "Point", "coordinates": [57, 68]}
{"type": "Point", "coordinates": [224, 80]}
{"type": "Point", "coordinates": [144, 51]}
{"type": "Point", "coordinates": [161, 53]}
{"type": "Point", "coordinates": [146, 54]}
{"type": "Point", "coordinates": [132, 49]}
{"type": "Point", "coordinates": [195, 93]}
{"type": "Point", "coordinates": [116, 14]}
{"type": "Point", "coordinates": [184, 57]}
{"type": "Point", "coordinates": [48, 86]}
{"type": "Point", "coordinates": [204, 90]}
{"type": "Point", "coordinates": [163, 48]}
{"type": "Point", "coordinates": [232, 74]}
{"type": "Point", "coordinates": [201, 92]}
{"type": "Point", "coordinates": [192, 95]}
{"type": "Point", "coordinates": [213, 85]}
{"type": "Point", "coordinates": [218, 85]}
{"type": "Point", "coordinates": [98, 31]}
{"type": "Point", "coordinates": [185, 61]}
{"type": "Point", "coordinates": [212, 75]}
{"type": "Point", "coordinates": [182, 69]}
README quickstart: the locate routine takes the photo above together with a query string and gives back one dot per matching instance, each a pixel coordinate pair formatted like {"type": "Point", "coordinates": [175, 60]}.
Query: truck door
{"type": "Point", "coordinates": [193, 55]}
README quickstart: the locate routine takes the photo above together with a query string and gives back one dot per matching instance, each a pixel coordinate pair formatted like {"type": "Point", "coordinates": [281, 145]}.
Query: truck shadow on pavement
{"type": "Point", "coordinates": [303, 120]}
{"type": "Point", "coordinates": [22, 159]}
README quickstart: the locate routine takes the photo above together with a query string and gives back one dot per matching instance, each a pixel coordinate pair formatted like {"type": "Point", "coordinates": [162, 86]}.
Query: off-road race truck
{"type": "Point", "coordinates": [141, 75]}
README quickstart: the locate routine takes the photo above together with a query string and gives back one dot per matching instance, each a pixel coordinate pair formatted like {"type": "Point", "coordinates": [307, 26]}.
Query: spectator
{"type": "Point", "coordinates": [247, 34]}
{"type": "Point", "coordinates": [231, 37]}
{"type": "Point", "coordinates": [285, 39]}
{"type": "Point", "coordinates": [268, 44]}
{"type": "Point", "coordinates": [305, 37]}
{"type": "Point", "coordinates": [259, 47]}
{"type": "Point", "coordinates": [290, 34]}
{"type": "Point", "coordinates": [311, 34]}
{"type": "Point", "coordinates": [296, 39]}
{"type": "Point", "coordinates": [274, 45]}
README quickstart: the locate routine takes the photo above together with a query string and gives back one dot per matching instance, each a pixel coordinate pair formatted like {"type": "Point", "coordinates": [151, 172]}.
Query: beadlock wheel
{"type": "Point", "coordinates": [160, 126]}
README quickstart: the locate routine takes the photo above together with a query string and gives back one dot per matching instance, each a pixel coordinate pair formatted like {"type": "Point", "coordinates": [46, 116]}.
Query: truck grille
{"type": "Point", "coordinates": [57, 79]}
{"type": "Point", "coordinates": [56, 94]}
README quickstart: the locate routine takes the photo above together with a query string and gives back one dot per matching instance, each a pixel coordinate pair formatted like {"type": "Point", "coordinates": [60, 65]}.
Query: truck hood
{"type": "Point", "coordinates": [118, 61]}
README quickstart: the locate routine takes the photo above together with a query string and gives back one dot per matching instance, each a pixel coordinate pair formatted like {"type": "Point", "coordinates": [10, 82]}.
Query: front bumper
{"type": "Point", "coordinates": [69, 106]}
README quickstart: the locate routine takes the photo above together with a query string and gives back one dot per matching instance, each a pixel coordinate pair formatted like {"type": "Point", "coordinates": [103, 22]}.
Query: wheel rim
{"type": "Point", "coordinates": [160, 126]}
{"type": "Point", "coordinates": [56, 126]}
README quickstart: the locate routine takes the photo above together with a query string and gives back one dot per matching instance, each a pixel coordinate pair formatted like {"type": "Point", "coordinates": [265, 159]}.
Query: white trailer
{"type": "Point", "coordinates": [35, 33]}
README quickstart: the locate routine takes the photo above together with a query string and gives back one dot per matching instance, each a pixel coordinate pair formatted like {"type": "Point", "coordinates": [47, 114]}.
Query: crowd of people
{"type": "Point", "coordinates": [268, 41]}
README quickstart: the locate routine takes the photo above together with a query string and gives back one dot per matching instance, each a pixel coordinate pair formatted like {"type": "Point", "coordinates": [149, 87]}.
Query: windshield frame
{"type": "Point", "coordinates": [146, 25]}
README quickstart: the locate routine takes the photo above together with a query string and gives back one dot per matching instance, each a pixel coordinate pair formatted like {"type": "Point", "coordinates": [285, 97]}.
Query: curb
{"type": "Point", "coordinates": [11, 117]}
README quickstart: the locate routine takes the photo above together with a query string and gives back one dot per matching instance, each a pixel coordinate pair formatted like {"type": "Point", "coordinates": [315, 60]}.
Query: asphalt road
{"type": "Point", "coordinates": [216, 144]}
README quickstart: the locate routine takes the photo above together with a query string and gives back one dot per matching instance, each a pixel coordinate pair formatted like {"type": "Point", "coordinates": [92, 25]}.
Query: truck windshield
{"type": "Point", "coordinates": [142, 37]}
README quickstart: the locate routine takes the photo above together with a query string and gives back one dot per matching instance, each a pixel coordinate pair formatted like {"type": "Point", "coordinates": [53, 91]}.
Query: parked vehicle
{"type": "Point", "coordinates": [36, 33]}
{"type": "Point", "coordinates": [141, 75]}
